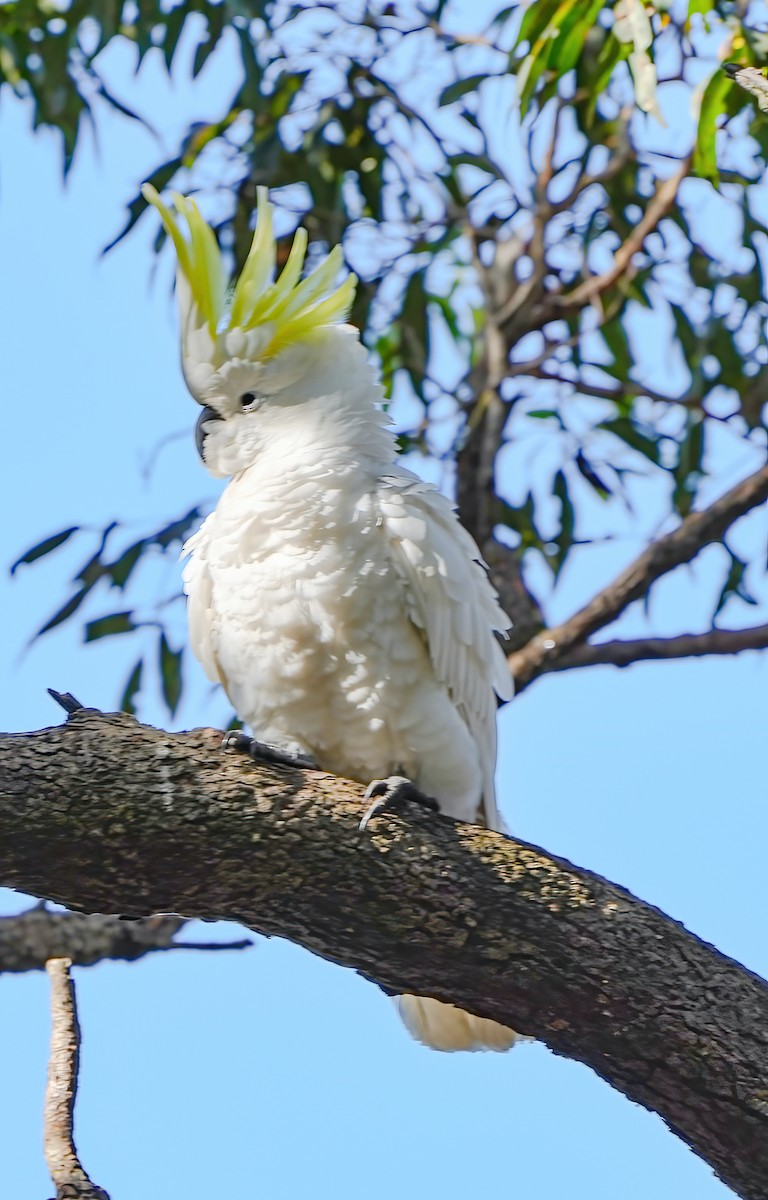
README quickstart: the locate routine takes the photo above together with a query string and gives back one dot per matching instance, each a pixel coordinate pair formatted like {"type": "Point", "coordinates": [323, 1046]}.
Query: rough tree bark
{"type": "Point", "coordinates": [30, 938]}
{"type": "Point", "coordinates": [104, 814]}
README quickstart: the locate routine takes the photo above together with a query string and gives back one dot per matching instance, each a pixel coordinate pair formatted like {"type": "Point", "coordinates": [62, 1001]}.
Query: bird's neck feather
{"type": "Point", "coordinates": [330, 433]}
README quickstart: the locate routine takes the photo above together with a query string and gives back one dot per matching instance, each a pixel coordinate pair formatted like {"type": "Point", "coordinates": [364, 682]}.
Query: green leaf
{"type": "Point", "coordinates": [455, 91]}
{"type": "Point", "coordinates": [627, 431]}
{"type": "Point", "coordinates": [476, 160]}
{"type": "Point", "coordinates": [159, 179]}
{"type": "Point", "coordinates": [415, 344]}
{"type": "Point", "coordinates": [120, 107]}
{"type": "Point", "coordinates": [692, 446]}
{"type": "Point", "coordinates": [612, 52]}
{"type": "Point", "coordinates": [568, 45]}
{"type": "Point", "coordinates": [588, 472]}
{"type": "Point", "coordinates": [133, 683]}
{"type": "Point", "coordinates": [734, 585]}
{"type": "Point", "coordinates": [564, 539]}
{"type": "Point", "coordinates": [535, 20]}
{"type": "Point", "coordinates": [713, 105]}
{"type": "Point", "coordinates": [102, 627]}
{"type": "Point", "coordinates": [170, 674]}
{"type": "Point", "coordinates": [177, 530]}
{"type": "Point", "coordinates": [615, 337]}
{"type": "Point", "coordinates": [689, 338]}
{"type": "Point", "coordinates": [120, 571]}
{"type": "Point", "coordinates": [541, 55]}
{"type": "Point", "coordinates": [449, 314]}
{"type": "Point", "coordinates": [45, 547]}
{"type": "Point", "coordinates": [174, 25]}
{"type": "Point", "coordinates": [94, 569]}
{"type": "Point", "coordinates": [65, 611]}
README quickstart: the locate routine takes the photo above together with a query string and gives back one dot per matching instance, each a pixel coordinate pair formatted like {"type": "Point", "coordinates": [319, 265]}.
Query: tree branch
{"type": "Point", "coordinates": [476, 460]}
{"type": "Point", "coordinates": [656, 210]}
{"type": "Point", "coordinates": [685, 645]}
{"type": "Point", "coordinates": [69, 1178]}
{"type": "Point", "coordinates": [624, 390]}
{"type": "Point", "coordinates": [697, 530]}
{"type": "Point", "coordinates": [146, 821]}
{"type": "Point", "coordinates": [29, 939]}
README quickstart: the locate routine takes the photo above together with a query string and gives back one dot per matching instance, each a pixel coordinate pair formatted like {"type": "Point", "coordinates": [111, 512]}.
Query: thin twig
{"type": "Point", "coordinates": [657, 208]}
{"type": "Point", "coordinates": [69, 1177]}
{"type": "Point", "coordinates": [242, 944]}
{"type": "Point", "coordinates": [622, 653]}
{"type": "Point", "coordinates": [531, 366]}
{"type": "Point", "coordinates": [623, 391]}
{"type": "Point", "coordinates": [697, 530]}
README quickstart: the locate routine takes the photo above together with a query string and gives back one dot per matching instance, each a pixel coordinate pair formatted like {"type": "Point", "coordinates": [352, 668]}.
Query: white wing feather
{"type": "Point", "coordinates": [198, 586]}
{"type": "Point", "coordinates": [452, 602]}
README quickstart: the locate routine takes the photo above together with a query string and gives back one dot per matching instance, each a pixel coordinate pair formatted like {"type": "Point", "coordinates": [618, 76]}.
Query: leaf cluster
{"type": "Point", "coordinates": [528, 236]}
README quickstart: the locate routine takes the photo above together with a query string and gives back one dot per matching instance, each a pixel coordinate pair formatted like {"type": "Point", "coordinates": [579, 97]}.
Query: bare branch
{"type": "Point", "coordinates": [29, 939]}
{"type": "Point", "coordinates": [685, 645]}
{"type": "Point", "coordinates": [476, 464]}
{"type": "Point", "coordinates": [531, 366]}
{"type": "Point", "coordinates": [420, 903]}
{"type": "Point", "coordinates": [623, 152]}
{"type": "Point", "coordinates": [697, 530]}
{"type": "Point", "coordinates": [624, 390]}
{"type": "Point", "coordinates": [69, 1178]}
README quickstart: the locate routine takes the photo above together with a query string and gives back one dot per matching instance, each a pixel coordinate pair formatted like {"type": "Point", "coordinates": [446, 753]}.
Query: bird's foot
{"type": "Point", "coordinates": [263, 752]}
{"type": "Point", "coordinates": [388, 794]}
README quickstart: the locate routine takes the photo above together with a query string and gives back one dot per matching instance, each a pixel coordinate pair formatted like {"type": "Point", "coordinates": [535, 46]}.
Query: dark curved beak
{"type": "Point", "coordinates": [208, 414]}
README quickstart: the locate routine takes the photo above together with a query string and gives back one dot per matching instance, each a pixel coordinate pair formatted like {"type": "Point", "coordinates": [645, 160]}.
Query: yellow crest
{"type": "Point", "coordinates": [284, 308]}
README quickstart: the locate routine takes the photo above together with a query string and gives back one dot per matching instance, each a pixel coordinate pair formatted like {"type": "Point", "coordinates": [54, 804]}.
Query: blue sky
{"type": "Point", "coordinates": [270, 1072]}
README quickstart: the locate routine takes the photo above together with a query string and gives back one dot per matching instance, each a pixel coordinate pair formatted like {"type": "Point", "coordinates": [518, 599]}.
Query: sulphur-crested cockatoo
{"type": "Point", "coordinates": [332, 593]}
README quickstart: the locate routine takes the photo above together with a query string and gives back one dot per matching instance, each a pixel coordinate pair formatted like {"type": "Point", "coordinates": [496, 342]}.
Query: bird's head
{"type": "Point", "coordinates": [245, 341]}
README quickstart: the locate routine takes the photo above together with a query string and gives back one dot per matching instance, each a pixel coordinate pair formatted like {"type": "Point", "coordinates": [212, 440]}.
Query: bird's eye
{"type": "Point", "coordinates": [249, 401]}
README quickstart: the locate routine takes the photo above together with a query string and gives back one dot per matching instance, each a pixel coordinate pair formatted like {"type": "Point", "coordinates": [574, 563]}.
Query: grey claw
{"type": "Point", "coordinates": [389, 794]}
{"type": "Point", "coordinates": [263, 752]}
{"type": "Point", "coordinates": [235, 739]}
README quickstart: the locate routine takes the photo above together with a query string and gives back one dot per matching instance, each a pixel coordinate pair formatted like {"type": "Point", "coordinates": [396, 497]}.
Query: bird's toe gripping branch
{"type": "Point", "coordinates": [263, 752]}
{"type": "Point", "coordinates": [389, 794]}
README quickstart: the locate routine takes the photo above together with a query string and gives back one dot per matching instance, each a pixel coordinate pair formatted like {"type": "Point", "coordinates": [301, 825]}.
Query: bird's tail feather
{"type": "Point", "coordinates": [444, 1027]}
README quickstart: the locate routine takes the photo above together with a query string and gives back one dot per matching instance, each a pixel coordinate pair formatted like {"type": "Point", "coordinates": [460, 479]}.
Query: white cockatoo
{"type": "Point", "coordinates": [332, 593]}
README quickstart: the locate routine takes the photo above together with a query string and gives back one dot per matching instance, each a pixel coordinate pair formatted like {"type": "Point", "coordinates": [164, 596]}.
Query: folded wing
{"type": "Point", "coordinates": [452, 603]}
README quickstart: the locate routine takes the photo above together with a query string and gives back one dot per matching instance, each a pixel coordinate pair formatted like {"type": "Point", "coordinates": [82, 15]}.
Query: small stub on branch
{"type": "Point", "coordinates": [66, 700]}
{"type": "Point", "coordinates": [69, 1178]}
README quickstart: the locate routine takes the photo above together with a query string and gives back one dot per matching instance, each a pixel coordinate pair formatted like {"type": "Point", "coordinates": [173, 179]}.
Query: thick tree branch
{"type": "Point", "coordinates": [70, 1179]}
{"type": "Point", "coordinates": [685, 645]}
{"type": "Point", "coordinates": [144, 821]}
{"type": "Point", "coordinates": [697, 530]}
{"type": "Point", "coordinates": [29, 939]}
